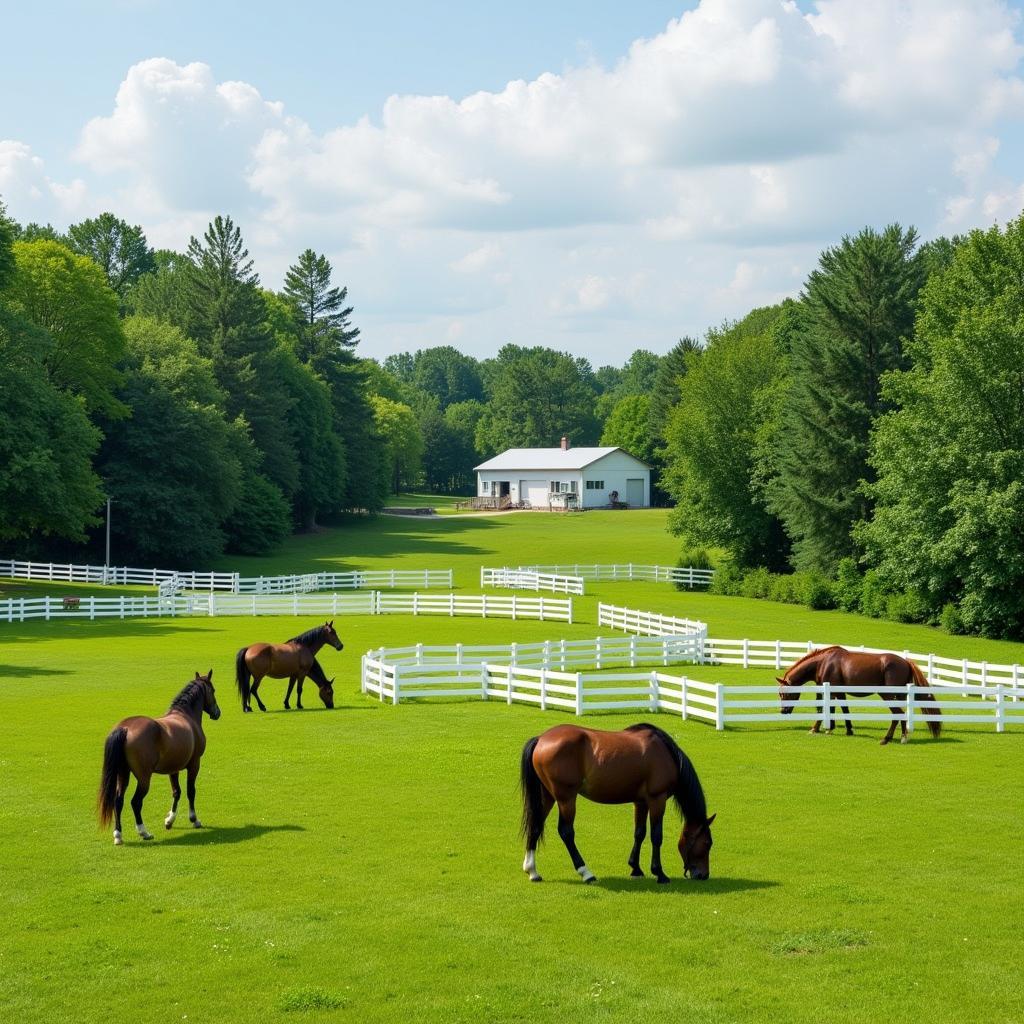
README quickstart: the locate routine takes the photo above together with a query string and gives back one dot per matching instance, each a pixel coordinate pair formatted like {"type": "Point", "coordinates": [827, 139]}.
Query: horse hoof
{"type": "Point", "coordinates": [197, 823]}
{"type": "Point", "coordinates": [636, 873]}
{"type": "Point", "coordinates": [536, 878]}
{"type": "Point", "coordinates": [883, 743]}
{"type": "Point", "coordinates": [663, 879]}
{"type": "Point", "coordinates": [591, 880]}
{"type": "Point", "coordinates": [906, 739]}
{"type": "Point", "coordinates": [247, 711]}
{"type": "Point", "coordinates": [118, 841]}
{"type": "Point", "coordinates": [145, 836]}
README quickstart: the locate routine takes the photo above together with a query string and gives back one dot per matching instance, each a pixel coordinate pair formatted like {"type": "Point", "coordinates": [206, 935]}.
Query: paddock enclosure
{"type": "Point", "coordinates": [850, 881]}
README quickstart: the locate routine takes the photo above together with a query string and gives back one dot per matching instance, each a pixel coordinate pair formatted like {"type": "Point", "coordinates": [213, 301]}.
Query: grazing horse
{"type": "Point", "coordinates": [293, 660]}
{"type": "Point", "coordinates": [840, 667]}
{"type": "Point", "coordinates": [641, 765]}
{"type": "Point", "coordinates": [141, 746]}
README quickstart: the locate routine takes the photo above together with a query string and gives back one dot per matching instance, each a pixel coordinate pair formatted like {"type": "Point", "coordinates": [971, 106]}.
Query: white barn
{"type": "Point", "coordinates": [556, 477]}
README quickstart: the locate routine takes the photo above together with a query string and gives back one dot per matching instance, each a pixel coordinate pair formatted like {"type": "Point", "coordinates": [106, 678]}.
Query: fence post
{"type": "Point", "coordinates": [546, 654]}
{"type": "Point", "coordinates": [632, 652]}
{"type": "Point", "coordinates": [540, 601]}
{"type": "Point", "coordinates": [685, 695]}
{"type": "Point", "coordinates": [92, 608]}
{"type": "Point", "coordinates": [543, 689]}
{"type": "Point", "coordinates": [509, 673]}
{"type": "Point", "coordinates": [746, 653]}
{"type": "Point", "coordinates": [362, 674]}
{"type": "Point", "coordinates": [1000, 709]}
{"type": "Point", "coordinates": [778, 655]}
{"type": "Point", "coordinates": [597, 653]}
{"type": "Point", "coordinates": [513, 607]}
{"type": "Point", "coordinates": [483, 605]}
{"type": "Point", "coordinates": [483, 678]}
{"type": "Point", "coordinates": [579, 694]}
{"type": "Point", "coordinates": [419, 654]}
{"type": "Point", "coordinates": [719, 707]}
{"type": "Point", "coordinates": [964, 679]}
{"type": "Point", "coordinates": [652, 679]}
{"type": "Point", "coordinates": [826, 705]}
{"type": "Point", "coordinates": [396, 686]}
{"type": "Point", "coordinates": [415, 603]}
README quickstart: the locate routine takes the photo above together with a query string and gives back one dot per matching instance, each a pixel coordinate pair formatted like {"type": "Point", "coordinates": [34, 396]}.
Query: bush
{"type": "Point", "coordinates": [906, 607]}
{"type": "Point", "coordinates": [757, 583]}
{"type": "Point", "coordinates": [727, 580]}
{"type": "Point", "coordinates": [847, 586]}
{"type": "Point", "coordinates": [816, 591]}
{"type": "Point", "coordinates": [783, 588]}
{"type": "Point", "coordinates": [873, 595]}
{"type": "Point", "coordinates": [692, 558]}
{"type": "Point", "coordinates": [952, 621]}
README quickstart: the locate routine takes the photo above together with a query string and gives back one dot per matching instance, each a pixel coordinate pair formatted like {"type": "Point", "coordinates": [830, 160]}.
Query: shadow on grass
{"type": "Point", "coordinates": [36, 630]}
{"type": "Point", "coordinates": [678, 886]}
{"type": "Point", "coordinates": [920, 735]}
{"type": "Point", "coordinates": [19, 671]}
{"type": "Point", "coordinates": [224, 835]}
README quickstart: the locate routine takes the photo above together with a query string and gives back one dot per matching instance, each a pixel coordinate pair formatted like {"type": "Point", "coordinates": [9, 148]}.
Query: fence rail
{"type": "Point", "coordinates": [173, 581]}
{"type": "Point", "coordinates": [687, 576]}
{"type": "Point", "coordinates": [525, 579]}
{"type": "Point", "coordinates": [374, 602]}
{"type": "Point", "coordinates": [630, 620]}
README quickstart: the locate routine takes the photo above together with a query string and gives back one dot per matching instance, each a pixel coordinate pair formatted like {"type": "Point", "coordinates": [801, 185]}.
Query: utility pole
{"type": "Point", "coordinates": [106, 563]}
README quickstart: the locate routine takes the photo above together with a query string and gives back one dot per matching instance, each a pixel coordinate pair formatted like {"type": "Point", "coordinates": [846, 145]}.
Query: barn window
{"type": "Point", "coordinates": [595, 485]}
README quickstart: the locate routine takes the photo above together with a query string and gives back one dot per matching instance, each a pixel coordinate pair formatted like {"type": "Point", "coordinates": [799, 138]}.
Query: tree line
{"type": "Point", "coordinates": [862, 446]}
{"type": "Point", "coordinates": [220, 415]}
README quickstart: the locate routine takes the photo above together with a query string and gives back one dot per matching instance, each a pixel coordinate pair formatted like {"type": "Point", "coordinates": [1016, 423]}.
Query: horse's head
{"type": "Point", "coordinates": [331, 637]}
{"type": "Point", "coordinates": [210, 705]}
{"type": "Point", "coordinates": [327, 693]}
{"type": "Point", "coordinates": [787, 696]}
{"type": "Point", "coordinates": [695, 848]}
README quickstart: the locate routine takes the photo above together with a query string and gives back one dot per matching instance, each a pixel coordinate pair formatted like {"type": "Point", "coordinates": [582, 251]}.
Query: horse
{"type": "Point", "coordinates": [841, 667]}
{"type": "Point", "coordinates": [293, 660]}
{"type": "Point", "coordinates": [167, 745]}
{"type": "Point", "coordinates": [641, 765]}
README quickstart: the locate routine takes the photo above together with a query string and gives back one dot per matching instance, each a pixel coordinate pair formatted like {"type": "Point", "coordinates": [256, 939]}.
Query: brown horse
{"type": "Point", "coordinates": [641, 765]}
{"type": "Point", "coordinates": [143, 746]}
{"type": "Point", "coordinates": [293, 660]}
{"type": "Point", "coordinates": [840, 667]}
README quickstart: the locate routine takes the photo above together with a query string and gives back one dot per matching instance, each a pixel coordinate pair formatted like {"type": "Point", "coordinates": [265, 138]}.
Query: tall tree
{"type": "Point", "coordinates": [949, 513]}
{"type": "Point", "coordinates": [665, 387]}
{"type": "Point", "coordinates": [539, 395]}
{"type": "Point", "coordinates": [403, 441]}
{"type": "Point", "coordinates": [171, 467]}
{"type": "Point", "coordinates": [856, 310]}
{"type": "Point", "coordinates": [327, 344]}
{"type": "Point", "coordinates": [628, 427]}
{"type": "Point", "coordinates": [447, 374]}
{"type": "Point", "coordinates": [227, 318]}
{"type": "Point", "coordinates": [728, 399]}
{"type": "Point", "coordinates": [120, 249]}
{"type": "Point", "coordinates": [68, 297]}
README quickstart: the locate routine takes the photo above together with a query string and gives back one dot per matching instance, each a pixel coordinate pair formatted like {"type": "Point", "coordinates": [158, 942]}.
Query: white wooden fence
{"type": "Point", "coordinates": [172, 581]}
{"type": "Point", "coordinates": [546, 609]}
{"type": "Point", "coordinates": [526, 579]}
{"type": "Point", "coordinates": [687, 576]}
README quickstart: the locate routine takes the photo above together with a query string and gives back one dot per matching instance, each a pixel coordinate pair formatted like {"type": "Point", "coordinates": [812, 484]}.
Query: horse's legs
{"type": "Point", "coordinates": [904, 735]}
{"type": "Point", "coordinates": [254, 692]}
{"type": "Point", "coordinates": [190, 783]}
{"type": "Point", "coordinates": [846, 717]}
{"type": "Point", "coordinates": [530, 860]}
{"type": "Point", "coordinates": [894, 711]}
{"type": "Point", "coordinates": [175, 797]}
{"type": "Point", "coordinates": [298, 693]}
{"type": "Point", "coordinates": [639, 834]}
{"type": "Point", "coordinates": [122, 788]}
{"type": "Point", "coordinates": [657, 808]}
{"type": "Point", "coordinates": [141, 789]}
{"type": "Point", "coordinates": [566, 817]}
{"type": "Point", "coordinates": [287, 696]}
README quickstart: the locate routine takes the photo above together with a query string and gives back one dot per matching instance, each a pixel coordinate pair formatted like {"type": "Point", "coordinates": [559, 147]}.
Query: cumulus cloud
{"type": "Point", "coordinates": [673, 188]}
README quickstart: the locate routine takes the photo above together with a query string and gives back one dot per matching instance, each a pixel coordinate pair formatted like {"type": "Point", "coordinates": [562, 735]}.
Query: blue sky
{"type": "Point", "coordinates": [654, 174]}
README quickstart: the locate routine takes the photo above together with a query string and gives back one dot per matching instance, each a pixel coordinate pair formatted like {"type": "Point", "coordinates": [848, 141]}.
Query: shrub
{"type": "Point", "coordinates": [873, 595]}
{"type": "Point", "coordinates": [692, 558]}
{"type": "Point", "coordinates": [757, 583]}
{"type": "Point", "coordinates": [906, 607]}
{"type": "Point", "coordinates": [783, 588]}
{"type": "Point", "coordinates": [727, 580]}
{"type": "Point", "coordinates": [816, 591]}
{"type": "Point", "coordinates": [951, 620]}
{"type": "Point", "coordinates": [848, 585]}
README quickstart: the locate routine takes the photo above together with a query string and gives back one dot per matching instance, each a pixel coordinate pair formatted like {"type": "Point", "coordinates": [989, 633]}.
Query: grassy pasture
{"type": "Point", "coordinates": [363, 864]}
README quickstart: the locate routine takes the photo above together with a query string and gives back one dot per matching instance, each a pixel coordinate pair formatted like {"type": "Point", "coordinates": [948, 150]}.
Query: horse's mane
{"type": "Point", "coordinates": [306, 638]}
{"type": "Point", "coordinates": [317, 674]}
{"type": "Point", "coordinates": [688, 795]}
{"type": "Point", "coordinates": [812, 654]}
{"type": "Point", "coordinates": [187, 697]}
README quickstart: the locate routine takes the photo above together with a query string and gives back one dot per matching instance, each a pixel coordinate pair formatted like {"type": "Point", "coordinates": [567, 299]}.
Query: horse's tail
{"type": "Point", "coordinates": [115, 766]}
{"type": "Point", "coordinates": [934, 725]}
{"type": "Point", "coordinates": [242, 676]}
{"type": "Point", "coordinates": [533, 789]}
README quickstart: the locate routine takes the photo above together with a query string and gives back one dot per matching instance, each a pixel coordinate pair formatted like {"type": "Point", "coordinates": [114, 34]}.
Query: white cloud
{"type": "Point", "coordinates": [664, 191]}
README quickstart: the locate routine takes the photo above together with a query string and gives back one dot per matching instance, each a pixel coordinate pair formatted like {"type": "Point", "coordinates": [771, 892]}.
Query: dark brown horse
{"type": "Point", "coordinates": [293, 660]}
{"type": "Point", "coordinates": [882, 672]}
{"type": "Point", "coordinates": [641, 765]}
{"type": "Point", "coordinates": [166, 746]}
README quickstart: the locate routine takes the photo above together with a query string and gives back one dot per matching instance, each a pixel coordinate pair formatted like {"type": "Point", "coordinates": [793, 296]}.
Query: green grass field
{"type": "Point", "coordinates": [364, 864]}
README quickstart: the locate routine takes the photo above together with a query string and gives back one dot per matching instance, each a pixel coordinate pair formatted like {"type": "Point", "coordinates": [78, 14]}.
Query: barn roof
{"type": "Point", "coordinates": [551, 458]}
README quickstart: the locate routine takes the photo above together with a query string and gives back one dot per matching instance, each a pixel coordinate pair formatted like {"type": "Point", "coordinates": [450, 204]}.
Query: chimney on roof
{"type": "Point", "coordinates": [565, 444]}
